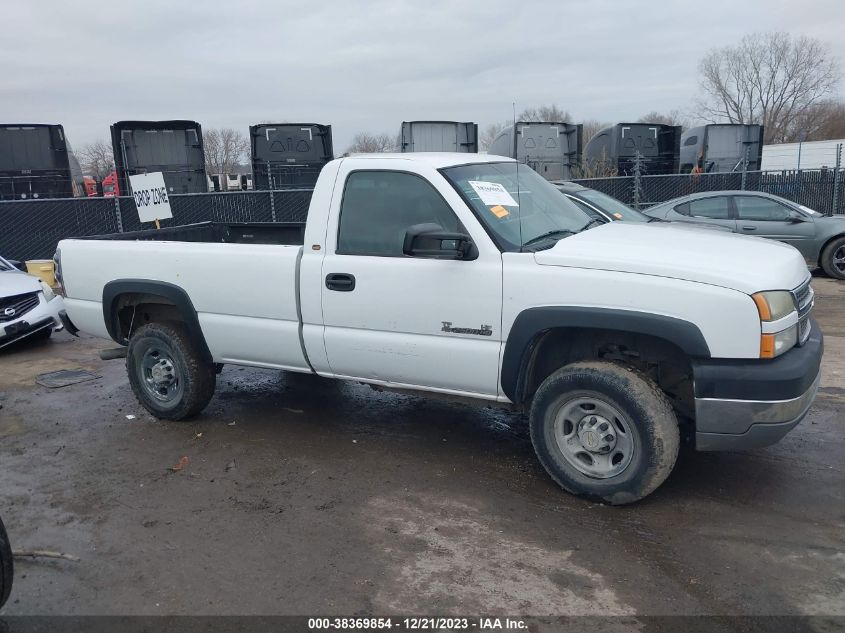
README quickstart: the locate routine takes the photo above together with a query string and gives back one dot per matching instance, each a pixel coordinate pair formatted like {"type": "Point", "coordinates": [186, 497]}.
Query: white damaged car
{"type": "Point", "coordinates": [28, 307]}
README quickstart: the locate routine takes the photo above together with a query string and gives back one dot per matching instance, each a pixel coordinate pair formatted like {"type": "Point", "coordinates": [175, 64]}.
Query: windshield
{"type": "Point", "coordinates": [528, 212]}
{"type": "Point", "coordinates": [612, 206]}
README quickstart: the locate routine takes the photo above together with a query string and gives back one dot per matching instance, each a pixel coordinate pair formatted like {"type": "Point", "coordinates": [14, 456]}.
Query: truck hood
{"type": "Point", "coordinates": [14, 282]}
{"type": "Point", "coordinates": [747, 264]}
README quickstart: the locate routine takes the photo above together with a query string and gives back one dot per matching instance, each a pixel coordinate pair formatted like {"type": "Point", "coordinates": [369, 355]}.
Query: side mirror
{"type": "Point", "coordinates": [432, 241]}
{"type": "Point", "coordinates": [795, 217]}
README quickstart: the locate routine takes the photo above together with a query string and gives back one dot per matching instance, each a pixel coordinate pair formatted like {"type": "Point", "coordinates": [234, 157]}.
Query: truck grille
{"type": "Point", "coordinates": [804, 299]}
{"type": "Point", "coordinates": [14, 307]}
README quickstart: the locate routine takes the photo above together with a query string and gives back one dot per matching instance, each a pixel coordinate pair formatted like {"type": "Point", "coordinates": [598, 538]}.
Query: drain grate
{"type": "Point", "coordinates": [64, 377]}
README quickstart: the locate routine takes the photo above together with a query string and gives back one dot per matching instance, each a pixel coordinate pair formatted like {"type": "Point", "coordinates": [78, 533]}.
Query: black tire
{"type": "Point", "coordinates": [6, 566]}
{"type": "Point", "coordinates": [828, 254]}
{"type": "Point", "coordinates": [647, 424]}
{"type": "Point", "coordinates": [192, 379]}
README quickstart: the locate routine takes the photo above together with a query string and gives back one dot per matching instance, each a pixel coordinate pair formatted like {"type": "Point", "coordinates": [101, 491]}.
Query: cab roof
{"type": "Point", "coordinates": [437, 160]}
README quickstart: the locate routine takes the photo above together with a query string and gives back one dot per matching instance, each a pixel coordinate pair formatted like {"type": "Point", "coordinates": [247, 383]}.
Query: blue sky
{"type": "Point", "coordinates": [369, 65]}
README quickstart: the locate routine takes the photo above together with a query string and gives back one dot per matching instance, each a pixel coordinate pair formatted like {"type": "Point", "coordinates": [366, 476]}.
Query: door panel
{"type": "Point", "coordinates": [391, 326]}
{"type": "Point", "coordinates": [764, 217]}
{"type": "Point", "coordinates": [391, 318]}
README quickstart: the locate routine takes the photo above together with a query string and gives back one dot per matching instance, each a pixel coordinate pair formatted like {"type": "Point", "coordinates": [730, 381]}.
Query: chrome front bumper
{"type": "Point", "coordinates": [732, 425]}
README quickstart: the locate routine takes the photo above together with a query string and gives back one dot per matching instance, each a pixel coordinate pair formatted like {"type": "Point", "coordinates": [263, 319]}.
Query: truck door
{"type": "Point", "coordinates": [402, 320]}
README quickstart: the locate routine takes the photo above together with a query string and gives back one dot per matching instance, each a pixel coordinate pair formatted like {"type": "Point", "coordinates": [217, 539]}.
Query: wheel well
{"type": "Point", "coordinates": [129, 304]}
{"type": "Point", "coordinates": [662, 361]}
{"type": "Point", "coordinates": [131, 310]}
{"type": "Point", "coordinates": [826, 244]}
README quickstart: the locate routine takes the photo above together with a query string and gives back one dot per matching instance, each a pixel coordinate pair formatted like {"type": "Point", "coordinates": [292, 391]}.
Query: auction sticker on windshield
{"type": "Point", "coordinates": [492, 193]}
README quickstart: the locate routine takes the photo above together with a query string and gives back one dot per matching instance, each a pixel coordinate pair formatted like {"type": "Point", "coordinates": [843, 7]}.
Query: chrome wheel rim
{"type": "Point", "coordinates": [160, 375]}
{"type": "Point", "coordinates": [594, 437]}
{"type": "Point", "coordinates": [838, 259]}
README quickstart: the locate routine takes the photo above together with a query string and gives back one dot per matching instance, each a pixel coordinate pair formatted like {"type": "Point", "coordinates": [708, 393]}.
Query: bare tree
{"type": "Point", "coordinates": [768, 78]}
{"type": "Point", "coordinates": [824, 121]}
{"type": "Point", "coordinates": [489, 134]}
{"type": "Point", "coordinates": [225, 149]}
{"type": "Point", "coordinates": [593, 127]}
{"type": "Point", "coordinates": [597, 168]}
{"type": "Point", "coordinates": [367, 143]}
{"type": "Point", "coordinates": [96, 159]}
{"type": "Point", "coordinates": [673, 117]}
{"type": "Point", "coordinates": [545, 113]}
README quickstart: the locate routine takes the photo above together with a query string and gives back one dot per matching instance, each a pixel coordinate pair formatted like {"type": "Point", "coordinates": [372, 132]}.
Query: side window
{"type": "Point", "coordinates": [692, 140]}
{"type": "Point", "coordinates": [715, 208]}
{"type": "Point", "coordinates": [682, 209]}
{"type": "Point", "coordinates": [378, 207]}
{"type": "Point", "coordinates": [756, 208]}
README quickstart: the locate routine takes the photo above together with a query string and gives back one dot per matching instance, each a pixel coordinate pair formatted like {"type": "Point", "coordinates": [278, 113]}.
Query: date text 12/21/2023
{"type": "Point", "coordinates": [418, 623]}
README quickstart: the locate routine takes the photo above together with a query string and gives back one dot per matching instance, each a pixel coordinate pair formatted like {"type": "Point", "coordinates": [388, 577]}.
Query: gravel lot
{"type": "Point", "coordinates": [305, 496]}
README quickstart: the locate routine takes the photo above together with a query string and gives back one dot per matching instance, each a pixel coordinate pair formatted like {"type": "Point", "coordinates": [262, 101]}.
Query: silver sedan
{"type": "Point", "coordinates": [819, 238]}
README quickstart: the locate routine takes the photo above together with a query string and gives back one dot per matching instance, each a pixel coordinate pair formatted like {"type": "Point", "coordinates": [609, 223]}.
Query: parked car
{"type": "Point", "coordinates": [606, 208]}
{"type": "Point", "coordinates": [471, 276]}
{"type": "Point", "coordinates": [28, 307]}
{"type": "Point", "coordinates": [599, 205]}
{"type": "Point", "coordinates": [819, 238]}
{"type": "Point", "coordinates": [6, 566]}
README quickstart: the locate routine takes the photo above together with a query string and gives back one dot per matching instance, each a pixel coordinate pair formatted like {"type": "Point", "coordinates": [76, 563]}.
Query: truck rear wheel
{"type": "Point", "coordinates": [167, 373]}
{"type": "Point", "coordinates": [606, 431]}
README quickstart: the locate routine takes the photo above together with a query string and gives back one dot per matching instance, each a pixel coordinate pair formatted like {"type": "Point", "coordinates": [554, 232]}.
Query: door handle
{"type": "Point", "coordinates": [342, 282]}
{"type": "Point", "coordinates": [749, 228]}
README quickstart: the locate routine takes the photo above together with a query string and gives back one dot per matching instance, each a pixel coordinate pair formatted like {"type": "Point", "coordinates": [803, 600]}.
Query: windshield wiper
{"type": "Point", "coordinates": [548, 236]}
{"type": "Point", "coordinates": [589, 224]}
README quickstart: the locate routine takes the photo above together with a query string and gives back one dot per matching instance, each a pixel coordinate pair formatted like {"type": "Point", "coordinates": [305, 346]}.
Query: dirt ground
{"type": "Point", "coordinates": [306, 496]}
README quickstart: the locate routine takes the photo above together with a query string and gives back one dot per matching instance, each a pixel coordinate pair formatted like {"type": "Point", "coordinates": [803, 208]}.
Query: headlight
{"type": "Point", "coordinates": [49, 295]}
{"type": "Point", "coordinates": [772, 345]}
{"type": "Point", "coordinates": [774, 304]}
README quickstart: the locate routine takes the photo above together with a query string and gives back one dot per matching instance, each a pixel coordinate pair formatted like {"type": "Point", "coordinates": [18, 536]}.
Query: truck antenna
{"type": "Point", "coordinates": [516, 158]}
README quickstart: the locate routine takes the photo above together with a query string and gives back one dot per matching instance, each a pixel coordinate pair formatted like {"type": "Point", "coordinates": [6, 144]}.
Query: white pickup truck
{"type": "Point", "coordinates": [471, 276]}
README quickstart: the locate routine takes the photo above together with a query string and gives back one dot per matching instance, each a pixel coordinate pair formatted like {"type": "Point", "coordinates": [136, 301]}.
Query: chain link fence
{"type": "Point", "coordinates": [819, 189]}
{"type": "Point", "coordinates": [30, 229]}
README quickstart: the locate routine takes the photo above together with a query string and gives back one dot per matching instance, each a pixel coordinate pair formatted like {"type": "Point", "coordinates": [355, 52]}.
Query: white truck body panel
{"type": "Point", "coordinates": [246, 318]}
{"type": "Point", "coordinates": [727, 318]}
{"type": "Point", "coordinates": [670, 250]}
{"type": "Point", "coordinates": [390, 330]}
{"type": "Point", "coordinates": [402, 340]}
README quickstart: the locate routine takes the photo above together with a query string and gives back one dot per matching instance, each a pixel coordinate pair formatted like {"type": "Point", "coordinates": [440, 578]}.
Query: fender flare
{"type": "Point", "coordinates": [532, 323]}
{"type": "Point", "coordinates": [176, 295]}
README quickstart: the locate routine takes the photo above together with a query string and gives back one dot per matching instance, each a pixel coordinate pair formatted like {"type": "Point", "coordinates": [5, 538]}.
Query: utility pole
{"type": "Point", "coordinates": [837, 177]}
{"type": "Point", "coordinates": [637, 175]}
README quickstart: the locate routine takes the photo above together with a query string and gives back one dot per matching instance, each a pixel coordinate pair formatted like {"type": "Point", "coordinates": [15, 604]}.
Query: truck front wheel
{"type": "Point", "coordinates": [603, 430]}
{"type": "Point", "coordinates": [167, 373]}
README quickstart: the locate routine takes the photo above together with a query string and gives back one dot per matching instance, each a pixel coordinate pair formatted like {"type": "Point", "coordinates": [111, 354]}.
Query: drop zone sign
{"type": "Point", "coordinates": [151, 198]}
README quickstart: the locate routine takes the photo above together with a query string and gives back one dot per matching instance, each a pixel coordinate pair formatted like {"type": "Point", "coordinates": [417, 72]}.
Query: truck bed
{"type": "Point", "coordinates": [241, 280]}
{"type": "Point", "coordinates": [279, 233]}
